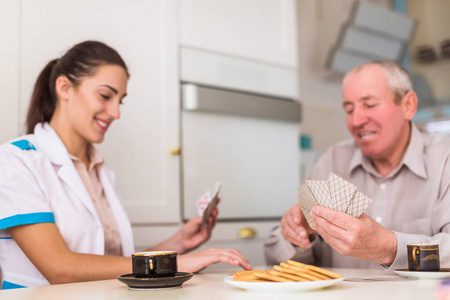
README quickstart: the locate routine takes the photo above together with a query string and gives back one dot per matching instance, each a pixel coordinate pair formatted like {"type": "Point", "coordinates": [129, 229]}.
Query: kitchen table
{"type": "Point", "coordinates": [359, 284]}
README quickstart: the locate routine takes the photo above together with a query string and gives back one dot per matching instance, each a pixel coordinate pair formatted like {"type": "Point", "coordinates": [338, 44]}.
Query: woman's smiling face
{"type": "Point", "coordinates": [95, 103]}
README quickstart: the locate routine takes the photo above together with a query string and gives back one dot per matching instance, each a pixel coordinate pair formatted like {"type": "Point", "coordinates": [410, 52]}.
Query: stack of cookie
{"type": "Point", "coordinates": [290, 271]}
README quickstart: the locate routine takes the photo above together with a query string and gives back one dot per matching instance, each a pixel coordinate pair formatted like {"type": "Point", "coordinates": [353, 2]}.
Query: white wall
{"type": "Point", "coordinates": [9, 75]}
{"type": "Point", "coordinates": [320, 22]}
{"type": "Point", "coordinates": [433, 17]}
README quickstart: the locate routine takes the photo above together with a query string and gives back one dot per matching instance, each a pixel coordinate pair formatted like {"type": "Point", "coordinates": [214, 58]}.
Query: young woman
{"type": "Point", "coordinates": [61, 219]}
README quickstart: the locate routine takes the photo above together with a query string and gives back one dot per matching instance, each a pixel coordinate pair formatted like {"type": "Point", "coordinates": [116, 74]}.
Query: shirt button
{"type": "Point", "coordinates": [383, 186]}
{"type": "Point", "coordinates": [379, 219]}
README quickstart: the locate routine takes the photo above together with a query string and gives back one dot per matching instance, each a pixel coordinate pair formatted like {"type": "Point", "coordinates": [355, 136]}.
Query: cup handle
{"type": "Point", "coordinates": [151, 264]}
{"type": "Point", "coordinates": [416, 251]}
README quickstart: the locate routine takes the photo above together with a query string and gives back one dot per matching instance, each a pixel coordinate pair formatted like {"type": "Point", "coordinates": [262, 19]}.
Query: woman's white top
{"type": "Point", "coordinates": [39, 184]}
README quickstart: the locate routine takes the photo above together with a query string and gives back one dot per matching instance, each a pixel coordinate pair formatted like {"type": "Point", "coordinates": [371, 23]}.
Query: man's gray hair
{"type": "Point", "coordinates": [398, 77]}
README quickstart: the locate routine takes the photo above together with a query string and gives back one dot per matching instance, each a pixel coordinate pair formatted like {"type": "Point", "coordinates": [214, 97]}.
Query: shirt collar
{"type": "Point", "coordinates": [413, 158]}
{"type": "Point", "coordinates": [414, 155]}
{"type": "Point", "coordinates": [50, 143]}
{"type": "Point", "coordinates": [96, 160]}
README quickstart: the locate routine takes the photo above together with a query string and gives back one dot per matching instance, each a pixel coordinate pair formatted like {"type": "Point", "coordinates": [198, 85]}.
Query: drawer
{"type": "Point", "coordinates": [246, 237]}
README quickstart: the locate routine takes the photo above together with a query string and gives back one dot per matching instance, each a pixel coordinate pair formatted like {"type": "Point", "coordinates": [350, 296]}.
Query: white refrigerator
{"type": "Point", "coordinates": [247, 141]}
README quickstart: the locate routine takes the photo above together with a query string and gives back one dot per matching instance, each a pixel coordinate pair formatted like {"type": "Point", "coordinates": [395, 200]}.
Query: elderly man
{"type": "Point", "coordinates": [406, 171]}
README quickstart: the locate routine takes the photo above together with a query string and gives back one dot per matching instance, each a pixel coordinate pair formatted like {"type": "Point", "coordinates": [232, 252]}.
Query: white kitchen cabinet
{"type": "Point", "coordinates": [138, 145]}
{"type": "Point", "coordinates": [261, 30]}
{"type": "Point", "coordinates": [247, 237]}
{"type": "Point", "coordinates": [255, 159]}
{"type": "Point", "coordinates": [9, 74]}
{"type": "Point", "coordinates": [236, 73]}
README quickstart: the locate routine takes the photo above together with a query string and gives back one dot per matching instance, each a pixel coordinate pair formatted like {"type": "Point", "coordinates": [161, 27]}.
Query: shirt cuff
{"type": "Point", "coordinates": [25, 219]}
{"type": "Point", "coordinates": [401, 257]}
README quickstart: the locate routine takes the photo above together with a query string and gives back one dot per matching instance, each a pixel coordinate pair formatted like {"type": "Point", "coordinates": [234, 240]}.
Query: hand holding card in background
{"type": "Point", "coordinates": [334, 193]}
{"type": "Point", "coordinates": [206, 204]}
{"type": "Point", "coordinates": [202, 202]}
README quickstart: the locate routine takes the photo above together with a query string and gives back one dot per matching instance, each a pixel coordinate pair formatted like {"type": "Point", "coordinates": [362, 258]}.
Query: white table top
{"type": "Point", "coordinates": [211, 285]}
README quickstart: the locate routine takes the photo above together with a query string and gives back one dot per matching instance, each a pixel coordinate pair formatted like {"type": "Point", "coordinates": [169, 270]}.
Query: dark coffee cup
{"type": "Point", "coordinates": [423, 257]}
{"type": "Point", "coordinates": [154, 263]}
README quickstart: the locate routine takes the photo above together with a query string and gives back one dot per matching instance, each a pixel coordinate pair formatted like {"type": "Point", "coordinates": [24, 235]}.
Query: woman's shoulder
{"type": "Point", "coordinates": [21, 143]}
{"type": "Point", "coordinates": [20, 148]}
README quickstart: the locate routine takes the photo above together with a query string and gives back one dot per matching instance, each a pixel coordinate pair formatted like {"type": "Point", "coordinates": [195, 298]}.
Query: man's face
{"type": "Point", "coordinates": [376, 123]}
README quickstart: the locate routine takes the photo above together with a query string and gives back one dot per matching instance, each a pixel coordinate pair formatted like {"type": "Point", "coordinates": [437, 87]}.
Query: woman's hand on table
{"type": "Point", "coordinates": [197, 261]}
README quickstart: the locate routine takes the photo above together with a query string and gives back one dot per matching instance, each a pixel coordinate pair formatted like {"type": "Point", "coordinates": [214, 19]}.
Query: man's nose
{"type": "Point", "coordinates": [359, 117]}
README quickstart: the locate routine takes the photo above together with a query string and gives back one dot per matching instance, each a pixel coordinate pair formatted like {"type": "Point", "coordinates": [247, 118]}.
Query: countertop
{"type": "Point", "coordinates": [358, 284]}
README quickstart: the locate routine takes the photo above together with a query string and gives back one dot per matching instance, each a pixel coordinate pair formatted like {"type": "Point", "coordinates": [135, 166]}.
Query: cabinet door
{"type": "Point", "coordinates": [263, 30]}
{"type": "Point", "coordinates": [9, 66]}
{"type": "Point", "coordinates": [137, 146]}
{"type": "Point", "coordinates": [246, 237]}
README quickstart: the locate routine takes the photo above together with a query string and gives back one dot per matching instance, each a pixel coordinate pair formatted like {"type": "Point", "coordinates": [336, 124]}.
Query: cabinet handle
{"type": "Point", "coordinates": [175, 151]}
{"type": "Point", "coordinates": [246, 233]}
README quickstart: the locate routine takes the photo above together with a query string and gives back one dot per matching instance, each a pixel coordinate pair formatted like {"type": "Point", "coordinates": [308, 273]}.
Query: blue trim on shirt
{"type": "Point", "coordinates": [9, 285]}
{"type": "Point", "coordinates": [5, 238]}
{"type": "Point", "coordinates": [25, 219]}
{"type": "Point", "coordinates": [24, 145]}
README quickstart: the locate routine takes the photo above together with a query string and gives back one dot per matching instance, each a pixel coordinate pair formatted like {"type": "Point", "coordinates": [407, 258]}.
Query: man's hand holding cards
{"type": "Point", "coordinates": [334, 193]}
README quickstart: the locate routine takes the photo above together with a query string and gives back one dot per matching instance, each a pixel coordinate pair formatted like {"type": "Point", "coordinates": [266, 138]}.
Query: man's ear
{"type": "Point", "coordinates": [62, 87]}
{"type": "Point", "coordinates": [409, 105]}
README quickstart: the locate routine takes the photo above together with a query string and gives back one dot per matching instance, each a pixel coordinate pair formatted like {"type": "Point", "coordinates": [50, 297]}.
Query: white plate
{"type": "Point", "coordinates": [300, 286]}
{"type": "Point", "coordinates": [443, 273]}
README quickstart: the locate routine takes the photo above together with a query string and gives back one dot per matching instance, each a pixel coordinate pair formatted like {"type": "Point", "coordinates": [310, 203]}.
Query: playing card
{"type": "Point", "coordinates": [334, 193]}
{"type": "Point", "coordinates": [341, 192]}
{"type": "Point", "coordinates": [212, 204]}
{"type": "Point", "coordinates": [307, 217]}
{"type": "Point", "coordinates": [307, 201]}
{"type": "Point", "coordinates": [202, 203]}
{"type": "Point", "coordinates": [321, 193]}
{"type": "Point", "coordinates": [306, 198]}
{"type": "Point", "coordinates": [358, 204]}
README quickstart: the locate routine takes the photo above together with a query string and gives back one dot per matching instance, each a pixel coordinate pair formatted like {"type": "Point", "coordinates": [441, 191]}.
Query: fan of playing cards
{"type": "Point", "coordinates": [334, 193]}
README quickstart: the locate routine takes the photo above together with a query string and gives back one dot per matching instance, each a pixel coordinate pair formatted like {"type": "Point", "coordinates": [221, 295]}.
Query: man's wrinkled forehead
{"type": "Point", "coordinates": [365, 82]}
{"type": "Point", "coordinates": [362, 69]}
{"type": "Point", "coordinates": [365, 76]}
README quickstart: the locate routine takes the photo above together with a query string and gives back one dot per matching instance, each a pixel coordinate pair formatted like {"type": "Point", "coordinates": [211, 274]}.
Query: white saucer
{"type": "Point", "coordinates": [443, 273]}
{"type": "Point", "coordinates": [302, 286]}
{"type": "Point", "coordinates": [146, 283]}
